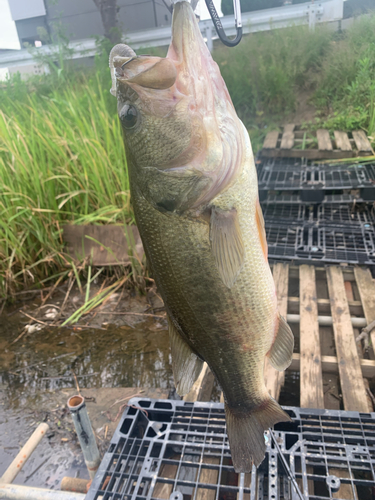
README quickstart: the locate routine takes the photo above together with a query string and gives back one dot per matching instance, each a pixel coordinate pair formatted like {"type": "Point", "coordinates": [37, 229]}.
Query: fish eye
{"type": "Point", "coordinates": [128, 116]}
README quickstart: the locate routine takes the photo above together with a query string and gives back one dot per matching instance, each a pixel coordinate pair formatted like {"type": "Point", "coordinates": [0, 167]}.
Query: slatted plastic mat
{"type": "Point", "coordinates": [174, 449]}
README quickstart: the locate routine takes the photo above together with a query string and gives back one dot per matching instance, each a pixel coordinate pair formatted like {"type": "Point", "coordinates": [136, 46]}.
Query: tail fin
{"type": "Point", "coordinates": [246, 432]}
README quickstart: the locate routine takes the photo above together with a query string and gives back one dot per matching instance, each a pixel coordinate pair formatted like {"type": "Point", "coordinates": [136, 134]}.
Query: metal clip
{"type": "Point", "coordinates": [219, 27]}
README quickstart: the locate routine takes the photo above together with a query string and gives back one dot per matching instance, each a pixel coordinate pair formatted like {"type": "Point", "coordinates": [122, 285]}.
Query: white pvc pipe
{"type": "Point", "coordinates": [24, 454]}
{"type": "Point", "coordinates": [327, 320]}
{"type": "Point", "coordinates": [16, 492]}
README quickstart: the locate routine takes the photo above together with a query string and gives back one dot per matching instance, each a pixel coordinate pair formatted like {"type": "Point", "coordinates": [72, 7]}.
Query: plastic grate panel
{"type": "Point", "coordinates": [324, 232]}
{"type": "Point", "coordinates": [356, 216]}
{"type": "Point", "coordinates": [314, 182]}
{"type": "Point", "coordinates": [179, 450]}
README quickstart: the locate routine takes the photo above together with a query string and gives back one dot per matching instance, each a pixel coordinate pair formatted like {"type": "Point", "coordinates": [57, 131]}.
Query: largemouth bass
{"type": "Point", "coordinates": [194, 191]}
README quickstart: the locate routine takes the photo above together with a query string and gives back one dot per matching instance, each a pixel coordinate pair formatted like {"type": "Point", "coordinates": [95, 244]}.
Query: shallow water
{"type": "Point", "coordinates": [45, 361]}
{"type": "Point", "coordinates": [114, 357]}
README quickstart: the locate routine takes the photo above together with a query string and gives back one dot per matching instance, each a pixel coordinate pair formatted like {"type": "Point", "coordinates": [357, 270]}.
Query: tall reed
{"type": "Point", "coordinates": [61, 160]}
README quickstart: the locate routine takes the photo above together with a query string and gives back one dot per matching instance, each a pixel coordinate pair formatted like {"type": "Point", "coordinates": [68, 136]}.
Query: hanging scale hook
{"type": "Point", "coordinates": [219, 27]}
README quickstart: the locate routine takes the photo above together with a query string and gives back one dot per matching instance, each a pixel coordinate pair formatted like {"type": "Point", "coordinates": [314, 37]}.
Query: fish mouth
{"type": "Point", "coordinates": [187, 46]}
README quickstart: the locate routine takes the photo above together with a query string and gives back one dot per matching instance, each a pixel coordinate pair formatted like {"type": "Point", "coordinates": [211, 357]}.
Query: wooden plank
{"type": "Point", "coordinates": [324, 141]}
{"type": "Point", "coordinates": [330, 365]}
{"type": "Point", "coordinates": [310, 154]}
{"type": "Point", "coordinates": [347, 272]}
{"type": "Point", "coordinates": [342, 141]}
{"type": "Point", "coordinates": [352, 385]}
{"type": "Point", "coordinates": [361, 141]}
{"type": "Point", "coordinates": [270, 142]}
{"type": "Point", "coordinates": [324, 306]}
{"type": "Point", "coordinates": [287, 140]}
{"type": "Point", "coordinates": [274, 379]}
{"type": "Point", "coordinates": [169, 471]}
{"type": "Point", "coordinates": [350, 295]}
{"type": "Point", "coordinates": [311, 382]}
{"type": "Point", "coordinates": [202, 388]}
{"type": "Point", "coordinates": [349, 291]}
{"type": "Point", "coordinates": [103, 245]}
{"type": "Point", "coordinates": [345, 492]}
{"type": "Point", "coordinates": [366, 288]}
{"type": "Point", "coordinates": [208, 476]}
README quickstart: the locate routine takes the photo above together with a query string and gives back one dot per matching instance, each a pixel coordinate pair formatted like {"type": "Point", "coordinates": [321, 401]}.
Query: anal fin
{"type": "Point", "coordinates": [281, 352]}
{"type": "Point", "coordinates": [186, 365]}
{"type": "Point", "coordinates": [227, 244]}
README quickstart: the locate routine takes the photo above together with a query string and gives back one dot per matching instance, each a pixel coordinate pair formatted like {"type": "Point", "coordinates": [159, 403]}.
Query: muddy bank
{"type": "Point", "coordinates": [114, 355]}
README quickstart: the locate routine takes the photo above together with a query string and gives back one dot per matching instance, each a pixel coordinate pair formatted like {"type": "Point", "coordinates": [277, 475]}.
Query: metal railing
{"type": "Point", "coordinates": [306, 13]}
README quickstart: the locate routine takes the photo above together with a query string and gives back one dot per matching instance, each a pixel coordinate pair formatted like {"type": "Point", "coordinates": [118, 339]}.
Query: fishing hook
{"type": "Point", "coordinates": [219, 27]}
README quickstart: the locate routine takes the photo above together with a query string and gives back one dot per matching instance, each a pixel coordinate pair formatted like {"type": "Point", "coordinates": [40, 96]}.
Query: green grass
{"type": "Point", "coordinates": [267, 71]}
{"type": "Point", "coordinates": [61, 160]}
{"type": "Point", "coordinates": [264, 70]}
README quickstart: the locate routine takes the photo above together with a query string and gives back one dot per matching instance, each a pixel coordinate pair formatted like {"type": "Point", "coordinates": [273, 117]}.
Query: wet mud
{"type": "Point", "coordinates": [37, 375]}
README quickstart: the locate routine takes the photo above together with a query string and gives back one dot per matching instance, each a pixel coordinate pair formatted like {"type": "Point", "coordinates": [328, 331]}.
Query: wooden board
{"type": "Point", "coordinates": [342, 141]}
{"type": "Point", "coordinates": [311, 382]}
{"type": "Point", "coordinates": [330, 365]}
{"type": "Point", "coordinates": [273, 378]}
{"type": "Point", "coordinates": [102, 245]}
{"type": "Point", "coordinates": [202, 388]}
{"type": "Point", "coordinates": [293, 138]}
{"type": "Point", "coordinates": [208, 476]}
{"type": "Point", "coordinates": [287, 140]}
{"type": "Point", "coordinates": [324, 141]}
{"type": "Point", "coordinates": [361, 141]}
{"type": "Point", "coordinates": [352, 385]}
{"type": "Point", "coordinates": [366, 288]}
{"type": "Point", "coordinates": [270, 142]}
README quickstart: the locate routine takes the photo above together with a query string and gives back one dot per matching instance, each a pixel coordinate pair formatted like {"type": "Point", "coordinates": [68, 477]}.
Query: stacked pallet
{"type": "Point", "coordinates": [317, 210]}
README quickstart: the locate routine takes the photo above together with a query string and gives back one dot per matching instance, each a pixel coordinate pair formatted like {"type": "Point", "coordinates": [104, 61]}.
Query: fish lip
{"type": "Point", "coordinates": [186, 37]}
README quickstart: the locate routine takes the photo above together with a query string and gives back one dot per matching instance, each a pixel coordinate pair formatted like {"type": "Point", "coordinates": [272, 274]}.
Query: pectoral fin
{"type": "Point", "coordinates": [186, 365]}
{"type": "Point", "coordinates": [281, 352]}
{"type": "Point", "coordinates": [174, 191]}
{"type": "Point", "coordinates": [227, 244]}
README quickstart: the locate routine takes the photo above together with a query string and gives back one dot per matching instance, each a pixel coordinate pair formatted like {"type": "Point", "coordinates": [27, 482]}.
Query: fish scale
{"type": "Point", "coordinates": [194, 190]}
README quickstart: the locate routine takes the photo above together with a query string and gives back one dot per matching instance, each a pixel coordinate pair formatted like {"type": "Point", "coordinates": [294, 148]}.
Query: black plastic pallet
{"type": "Point", "coordinates": [179, 450]}
{"type": "Point", "coordinates": [312, 182]}
{"type": "Point", "coordinates": [273, 198]}
{"type": "Point", "coordinates": [326, 215]}
{"type": "Point", "coordinates": [320, 244]}
{"type": "Point", "coordinates": [321, 233]}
